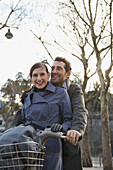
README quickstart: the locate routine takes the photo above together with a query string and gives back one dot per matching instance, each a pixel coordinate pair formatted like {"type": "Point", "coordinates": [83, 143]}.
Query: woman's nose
{"type": "Point", "coordinates": [39, 78]}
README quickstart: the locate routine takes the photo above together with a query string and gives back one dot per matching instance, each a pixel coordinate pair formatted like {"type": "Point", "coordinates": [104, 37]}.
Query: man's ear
{"type": "Point", "coordinates": [68, 74]}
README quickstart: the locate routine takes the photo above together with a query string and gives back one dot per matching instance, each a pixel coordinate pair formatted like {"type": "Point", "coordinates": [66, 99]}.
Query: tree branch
{"type": "Point", "coordinates": [79, 13]}
{"type": "Point", "coordinates": [42, 42]}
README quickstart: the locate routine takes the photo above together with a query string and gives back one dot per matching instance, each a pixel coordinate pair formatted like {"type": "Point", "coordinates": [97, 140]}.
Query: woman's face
{"type": "Point", "coordinates": [40, 77]}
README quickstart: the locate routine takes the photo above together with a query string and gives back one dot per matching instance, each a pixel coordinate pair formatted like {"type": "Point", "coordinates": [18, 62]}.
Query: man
{"type": "Point", "coordinates": [61, 70]}
{"type": "Point", "coordinates": [60, 73]}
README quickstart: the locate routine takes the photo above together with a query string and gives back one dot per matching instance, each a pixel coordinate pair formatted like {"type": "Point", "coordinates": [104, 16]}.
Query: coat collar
{"type": "Point", "coordinates": [66, 84]}
{"type": "Point", "coordinates": [49, 87]}
{"type": "Point", "coordinates": [36, 97]}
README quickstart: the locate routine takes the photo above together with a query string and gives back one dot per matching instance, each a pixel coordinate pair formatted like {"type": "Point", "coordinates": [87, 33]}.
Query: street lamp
{"type": "Point", "coordinates": [8, 35]}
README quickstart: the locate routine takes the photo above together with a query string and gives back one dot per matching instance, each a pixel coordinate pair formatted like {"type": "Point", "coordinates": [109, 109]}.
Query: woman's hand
{"type": "Point", "coordinates": [56, 127]}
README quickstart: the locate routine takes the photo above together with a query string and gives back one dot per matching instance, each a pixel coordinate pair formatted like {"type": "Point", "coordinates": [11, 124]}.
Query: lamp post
{"type": "Point", "coordinates": [9, 35]}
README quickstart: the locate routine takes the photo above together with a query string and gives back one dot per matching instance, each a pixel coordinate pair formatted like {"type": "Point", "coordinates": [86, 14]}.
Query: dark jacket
{"type": "Point", "coordinates": [79, 120]}
{"type": "Point", "coordinates": [71, 153]}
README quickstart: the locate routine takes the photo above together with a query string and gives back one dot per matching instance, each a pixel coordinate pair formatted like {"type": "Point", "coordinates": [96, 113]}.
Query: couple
{"type": "Point", "coordinates": [55, 112]}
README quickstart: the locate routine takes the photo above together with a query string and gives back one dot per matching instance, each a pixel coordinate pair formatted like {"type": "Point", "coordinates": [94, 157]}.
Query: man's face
{"type": "Point", "coordinates": [58, 73]}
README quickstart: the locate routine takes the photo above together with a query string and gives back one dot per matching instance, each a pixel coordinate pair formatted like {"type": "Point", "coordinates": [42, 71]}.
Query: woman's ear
{"type": "Point", "coordinates": [48, 75]}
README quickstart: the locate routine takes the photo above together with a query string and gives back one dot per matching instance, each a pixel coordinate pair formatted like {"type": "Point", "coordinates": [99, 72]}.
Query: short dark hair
{"type": "Point", "coordinates": [67, 63]}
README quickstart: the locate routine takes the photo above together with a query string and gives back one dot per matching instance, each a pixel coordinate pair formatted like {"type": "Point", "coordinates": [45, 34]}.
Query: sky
{"type": "Point", "coordinates": [16, 54]}
{"type": "Point", "coordinates": [20, 53]}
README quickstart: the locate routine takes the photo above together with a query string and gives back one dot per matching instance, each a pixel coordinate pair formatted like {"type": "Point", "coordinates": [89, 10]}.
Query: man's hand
{"type": "Point", "coordinates": [73, 136]}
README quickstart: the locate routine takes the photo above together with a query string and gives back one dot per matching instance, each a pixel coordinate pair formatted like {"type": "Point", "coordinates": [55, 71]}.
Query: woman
{"type": "Point", "coordinates": [47, 106]}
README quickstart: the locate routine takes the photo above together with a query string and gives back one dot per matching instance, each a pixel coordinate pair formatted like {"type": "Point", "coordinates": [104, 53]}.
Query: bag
{"type": "Point", "coordinates": [19, 144]}
{"type": "Point", "coordinates": [18, 134]}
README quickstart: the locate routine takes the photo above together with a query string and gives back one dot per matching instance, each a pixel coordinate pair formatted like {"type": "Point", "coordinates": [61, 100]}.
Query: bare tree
{"type": "Point", "coordinates": [99, 38]}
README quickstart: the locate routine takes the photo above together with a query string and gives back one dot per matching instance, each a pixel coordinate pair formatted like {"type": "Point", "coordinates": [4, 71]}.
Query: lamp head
{"type": "Point", "coordinates": [8, 35]}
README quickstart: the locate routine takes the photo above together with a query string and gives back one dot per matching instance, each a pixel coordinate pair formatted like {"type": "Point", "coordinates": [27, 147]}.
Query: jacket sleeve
{"type": "Point", "coordinates": [65, 111]}
{"type": "Point", "coordinates": [16, 119]}
{"type": "Point", "coordinates": [80, 113]}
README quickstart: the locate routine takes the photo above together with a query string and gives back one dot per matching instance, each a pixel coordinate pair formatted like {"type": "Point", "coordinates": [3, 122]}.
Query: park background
{"type": "Point", "coordinates": [80, 31]}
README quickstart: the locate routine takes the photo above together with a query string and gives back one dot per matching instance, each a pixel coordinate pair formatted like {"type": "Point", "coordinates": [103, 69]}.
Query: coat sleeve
{"type": "Point", "coordinates": [80, 113]}
{"type": "Point", "coordinates": [16, 119]}
{"type": "Point", "coordinates": [65, 111]}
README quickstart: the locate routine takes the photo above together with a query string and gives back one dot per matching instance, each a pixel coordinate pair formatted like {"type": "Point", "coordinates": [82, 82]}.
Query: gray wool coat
{"type": "Point", "coordinates": [71, 153]}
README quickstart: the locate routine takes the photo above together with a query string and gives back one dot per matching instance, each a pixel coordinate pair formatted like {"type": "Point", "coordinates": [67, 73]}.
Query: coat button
{"type": "Point", "coordinates": [44, 118]}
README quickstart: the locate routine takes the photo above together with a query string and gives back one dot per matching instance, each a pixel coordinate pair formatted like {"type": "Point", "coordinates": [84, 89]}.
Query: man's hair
{"type": "Point", "coordinates": [67, 63]}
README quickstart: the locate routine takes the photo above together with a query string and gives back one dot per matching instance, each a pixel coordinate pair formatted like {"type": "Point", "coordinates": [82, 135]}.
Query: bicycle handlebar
{"type": "Point", "coordinates": [43, 135]}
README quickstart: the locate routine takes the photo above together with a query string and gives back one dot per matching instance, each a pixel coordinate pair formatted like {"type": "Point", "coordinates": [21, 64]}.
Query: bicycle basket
{"type": "Point", "coordinates": [22, 156]}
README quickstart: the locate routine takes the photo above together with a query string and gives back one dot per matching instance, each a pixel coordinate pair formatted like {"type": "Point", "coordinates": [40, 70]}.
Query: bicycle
{"type": "Point", "coordinates": [26, 155]}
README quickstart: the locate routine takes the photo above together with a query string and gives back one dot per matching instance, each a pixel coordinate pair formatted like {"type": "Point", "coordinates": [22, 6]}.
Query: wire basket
{"type": "Point", "coordinates": [22, 156]}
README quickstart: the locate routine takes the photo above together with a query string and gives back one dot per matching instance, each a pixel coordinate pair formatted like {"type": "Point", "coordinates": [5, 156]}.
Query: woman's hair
{"type": "Point", "coordinates": [36, 65]}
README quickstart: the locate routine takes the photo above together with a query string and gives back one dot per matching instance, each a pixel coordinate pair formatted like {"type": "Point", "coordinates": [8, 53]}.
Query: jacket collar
{"type": "Point", "coordinates": [66, 84]}
{"type": "Point", "coordinates": [36, 97]}
{"type": "Point", "coordinates": [49, 87]}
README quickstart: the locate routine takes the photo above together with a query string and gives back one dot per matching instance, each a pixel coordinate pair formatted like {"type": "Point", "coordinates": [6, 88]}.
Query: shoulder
{"type": "Point", "coordinates": [25, 94]}
{"type": "Point", "coordinates": [61, 92]}
{"type": "Point", "coordinates": [74, 87]}
{"type": "Point", "coordinates": [75, 91]}
{"type": "Point", "coordinates": [61, 89]}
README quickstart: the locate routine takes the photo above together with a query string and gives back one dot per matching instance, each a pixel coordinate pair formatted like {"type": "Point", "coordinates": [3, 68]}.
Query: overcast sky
{"type": "Point", "coordinates": [20, 53]}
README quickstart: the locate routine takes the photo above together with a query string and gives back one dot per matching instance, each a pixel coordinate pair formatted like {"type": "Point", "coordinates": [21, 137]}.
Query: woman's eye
{"type": "Point", "coordinates": [42, 74]}
{"type": "Point", "coordinates": [35, 75]}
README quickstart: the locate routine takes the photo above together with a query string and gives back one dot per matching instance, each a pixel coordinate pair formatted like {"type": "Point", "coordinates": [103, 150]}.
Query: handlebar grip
{"type": "Point", "coordinates": [43, 135]}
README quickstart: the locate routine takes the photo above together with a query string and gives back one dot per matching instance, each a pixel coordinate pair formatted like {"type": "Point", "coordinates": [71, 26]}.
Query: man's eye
{"type": "Point", "coordinates": [59, 68]}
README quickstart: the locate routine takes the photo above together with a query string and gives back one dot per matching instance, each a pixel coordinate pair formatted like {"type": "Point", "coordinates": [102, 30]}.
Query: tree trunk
{"type": "Point", "coordinates": [86, 155]}
{"type": "Point", "coordinates": [106, 143]}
